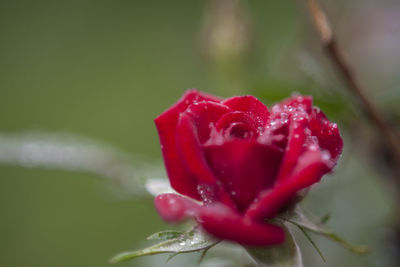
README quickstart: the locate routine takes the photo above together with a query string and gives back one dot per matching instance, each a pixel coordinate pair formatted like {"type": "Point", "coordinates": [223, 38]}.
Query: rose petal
{"type": "Point", "coordinates": [244, 167]}
{"type": "Point", "coordinates": [232, 117]}
{"type": "Point", "coordinates": [174, 208]}
{"type": "Point", "coordinates": [226, 224]}
{"type": "Point", "coordinates": [192, 155]}
{"type": "Point", "coordinates": [251, 106]}
{"type": "Point", "coordinates": [237, 125]}
{"type": "Point", "coordinates": [166, 123]}
{"type": "Point", "coordinates": [295, 146]}
{"type": "Point", "coordinates": [204, 115]}
{"type": "Point", "coordinates": [218, 220]}
{"type": "Point", "coordinates": [190, 150]}
{"type": "Point", "coordinates": [296, 101]}
{"type": "Point", "coordinates": [327, 134]}
{"type": "Point", "coordinates": [312, 165]}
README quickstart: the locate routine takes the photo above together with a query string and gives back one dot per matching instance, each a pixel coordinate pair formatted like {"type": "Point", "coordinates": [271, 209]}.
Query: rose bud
{"type": "Point", "coordinates": [237, 164]}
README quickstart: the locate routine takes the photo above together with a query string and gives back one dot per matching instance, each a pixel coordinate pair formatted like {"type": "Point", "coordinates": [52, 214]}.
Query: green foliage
{"type": "Point", "coordinates": [165, 235]}
{"type": "Point", "coordinates": [190, 241]}
{"type": "Point", "coordinates": [299, 218]}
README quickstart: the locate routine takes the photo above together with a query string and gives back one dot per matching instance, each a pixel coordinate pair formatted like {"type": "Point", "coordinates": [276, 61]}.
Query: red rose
{"type": "Point", "coordinates": [237, 164]}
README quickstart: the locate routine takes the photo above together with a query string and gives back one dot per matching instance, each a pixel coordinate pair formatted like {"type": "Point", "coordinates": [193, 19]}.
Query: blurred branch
{"type": "Point", "coordinates": [338, 59]}
{"type": "Point", "coordinates": [70, 153]}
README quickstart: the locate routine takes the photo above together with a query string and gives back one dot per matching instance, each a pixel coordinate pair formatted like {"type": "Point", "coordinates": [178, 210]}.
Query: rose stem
{"type": "Point", "coordinates": [329, 43]}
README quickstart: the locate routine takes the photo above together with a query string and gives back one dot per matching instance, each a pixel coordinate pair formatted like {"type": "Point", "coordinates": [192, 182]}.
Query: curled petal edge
{"type": "Point", "coordinates": [270, 202]}
{"type": "Point", "coordinates": [219, 220]}
{"type": "Point", "coordinates": [166, 124]}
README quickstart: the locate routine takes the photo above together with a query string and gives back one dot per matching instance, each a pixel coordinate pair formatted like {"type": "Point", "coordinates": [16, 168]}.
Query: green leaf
{"type": "Point", "coordinates": [312, 242]}
{"type": "Point", "coordinates": [325, 218]}
{"type": "Point", "coordinates": [285, 255]}
{"type": "Point", "coordinates": [165, 235]}
{"type": "Point", "coordinates": [171, 256]}
{"type": "Point", "coordinates": [190, 241]}
{"type": "Point", "coordinates": [299, 218]}
{"type": "Point", "coordinates": [203, 254]}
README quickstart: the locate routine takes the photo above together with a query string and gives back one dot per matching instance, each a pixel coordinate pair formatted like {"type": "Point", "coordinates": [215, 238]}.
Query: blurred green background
{"type": "Point", "coordinates": [106, 69]}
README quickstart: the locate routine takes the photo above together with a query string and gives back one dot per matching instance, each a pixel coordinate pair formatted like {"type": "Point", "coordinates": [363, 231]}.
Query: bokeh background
{"type": "Point", "coordinates": [105, 69]}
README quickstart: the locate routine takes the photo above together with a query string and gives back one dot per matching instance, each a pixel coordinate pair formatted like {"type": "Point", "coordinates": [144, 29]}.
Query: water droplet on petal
{"type": "Point", "coordinates": [326, 155]}
{"type": "Point", "coordinates": [313, 147]}
{"type": "Point", "coordinates": [206, 192]}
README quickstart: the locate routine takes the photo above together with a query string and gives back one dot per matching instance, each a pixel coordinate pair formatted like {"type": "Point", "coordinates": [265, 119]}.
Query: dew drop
{"type": "Point", "coordinates": [206, 193]}
{"type": "Point", "coordinates": [326, 155]}
{"type": "Point", "coordinates": [314, 139]}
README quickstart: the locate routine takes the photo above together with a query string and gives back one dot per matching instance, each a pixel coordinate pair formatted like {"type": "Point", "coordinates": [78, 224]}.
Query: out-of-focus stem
{"type": "Point", "coordinates": [338, 59]}
{"type": "Point", "coordinates": [70, 153]}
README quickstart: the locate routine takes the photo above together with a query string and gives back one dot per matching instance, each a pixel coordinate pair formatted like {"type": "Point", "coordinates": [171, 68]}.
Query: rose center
{"type": "Point", "coordinates": [239, 130]}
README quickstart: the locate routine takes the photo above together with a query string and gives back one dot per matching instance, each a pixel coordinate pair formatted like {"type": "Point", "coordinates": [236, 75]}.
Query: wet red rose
{"type": "Point", "coordinates": [237, 164]}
